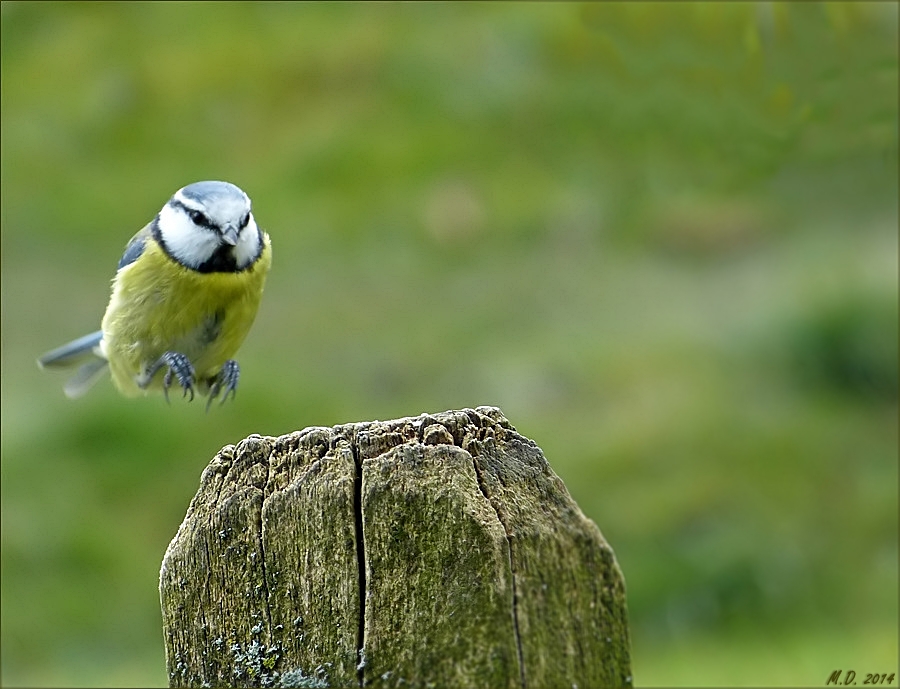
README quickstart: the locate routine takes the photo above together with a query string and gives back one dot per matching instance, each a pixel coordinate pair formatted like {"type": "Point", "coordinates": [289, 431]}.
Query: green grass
{"type": "Point", "coordinates": [662, 238]}
{"type": "Point", "coordinates": [782, 659]}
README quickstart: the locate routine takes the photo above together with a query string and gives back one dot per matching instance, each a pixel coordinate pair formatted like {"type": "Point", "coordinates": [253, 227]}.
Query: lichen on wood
{"type": "Point", "coordinates": [438, 550]}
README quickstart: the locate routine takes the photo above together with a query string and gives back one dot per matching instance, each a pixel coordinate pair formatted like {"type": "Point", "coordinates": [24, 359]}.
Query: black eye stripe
{"type": "Point", "coordinates": [199, 219]}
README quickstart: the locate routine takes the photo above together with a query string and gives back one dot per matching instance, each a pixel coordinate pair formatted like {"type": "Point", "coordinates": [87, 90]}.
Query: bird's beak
{"type": "Point", "coordinates": [229, 235]}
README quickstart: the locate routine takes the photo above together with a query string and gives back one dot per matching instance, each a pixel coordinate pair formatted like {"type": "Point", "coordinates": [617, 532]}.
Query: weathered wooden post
{"type": "Point", "coordinates": [439, 550]}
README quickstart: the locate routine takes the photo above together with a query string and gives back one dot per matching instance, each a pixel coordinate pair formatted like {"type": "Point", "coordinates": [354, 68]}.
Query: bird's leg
{"type": "Point", "coordinates": [180, 367]}
{"type": "Point", "coordinates": [226, 380]}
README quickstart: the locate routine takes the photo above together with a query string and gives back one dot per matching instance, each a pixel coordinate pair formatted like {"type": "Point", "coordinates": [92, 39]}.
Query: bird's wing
{"type": "Point", "coordinates": [136, 246]}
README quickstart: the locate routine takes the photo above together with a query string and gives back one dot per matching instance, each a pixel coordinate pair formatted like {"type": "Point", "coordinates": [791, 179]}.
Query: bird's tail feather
{"type": "Point", "coordinates": [86, 376]}
{"type": "Point", "coordinates": [72, 352]}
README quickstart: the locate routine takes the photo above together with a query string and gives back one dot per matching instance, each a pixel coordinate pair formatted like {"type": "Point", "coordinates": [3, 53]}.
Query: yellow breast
{"type": "Point", "coordinates": [158, 305]}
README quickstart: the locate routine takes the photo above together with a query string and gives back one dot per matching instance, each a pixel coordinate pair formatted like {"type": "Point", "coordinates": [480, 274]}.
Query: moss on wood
{"type": "Point", "coordinates": [439, 550]}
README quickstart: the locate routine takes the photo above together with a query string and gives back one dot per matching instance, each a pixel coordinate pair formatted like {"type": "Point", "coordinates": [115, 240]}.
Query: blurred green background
{"type": "Point", "coordinates": [663, 238]}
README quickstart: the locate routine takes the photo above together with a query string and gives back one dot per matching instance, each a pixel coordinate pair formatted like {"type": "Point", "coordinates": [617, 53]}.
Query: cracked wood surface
{"type": "Point", "coordinates": [433, 550]}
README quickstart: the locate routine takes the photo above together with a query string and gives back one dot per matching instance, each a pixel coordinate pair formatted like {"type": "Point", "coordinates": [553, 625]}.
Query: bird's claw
{"type": "Point", "coordinates": [180, 368]}
{"type": "Point", "coordinates": [226, 381]}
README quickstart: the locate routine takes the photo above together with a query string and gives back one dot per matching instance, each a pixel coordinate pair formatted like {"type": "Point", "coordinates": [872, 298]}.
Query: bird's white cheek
{"type": "Point", "coordinates": [184, 240]}
{"type": "Point", "coordinates": [247, 248]}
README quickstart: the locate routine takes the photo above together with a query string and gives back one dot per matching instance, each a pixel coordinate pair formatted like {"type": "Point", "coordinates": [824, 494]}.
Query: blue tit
{"type": "Point", "coordinates": [183, 298]}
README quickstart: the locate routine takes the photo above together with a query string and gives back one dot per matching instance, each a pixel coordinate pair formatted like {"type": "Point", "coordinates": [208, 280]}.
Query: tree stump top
{"type": "Point", "coordinates": [437, 550]}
